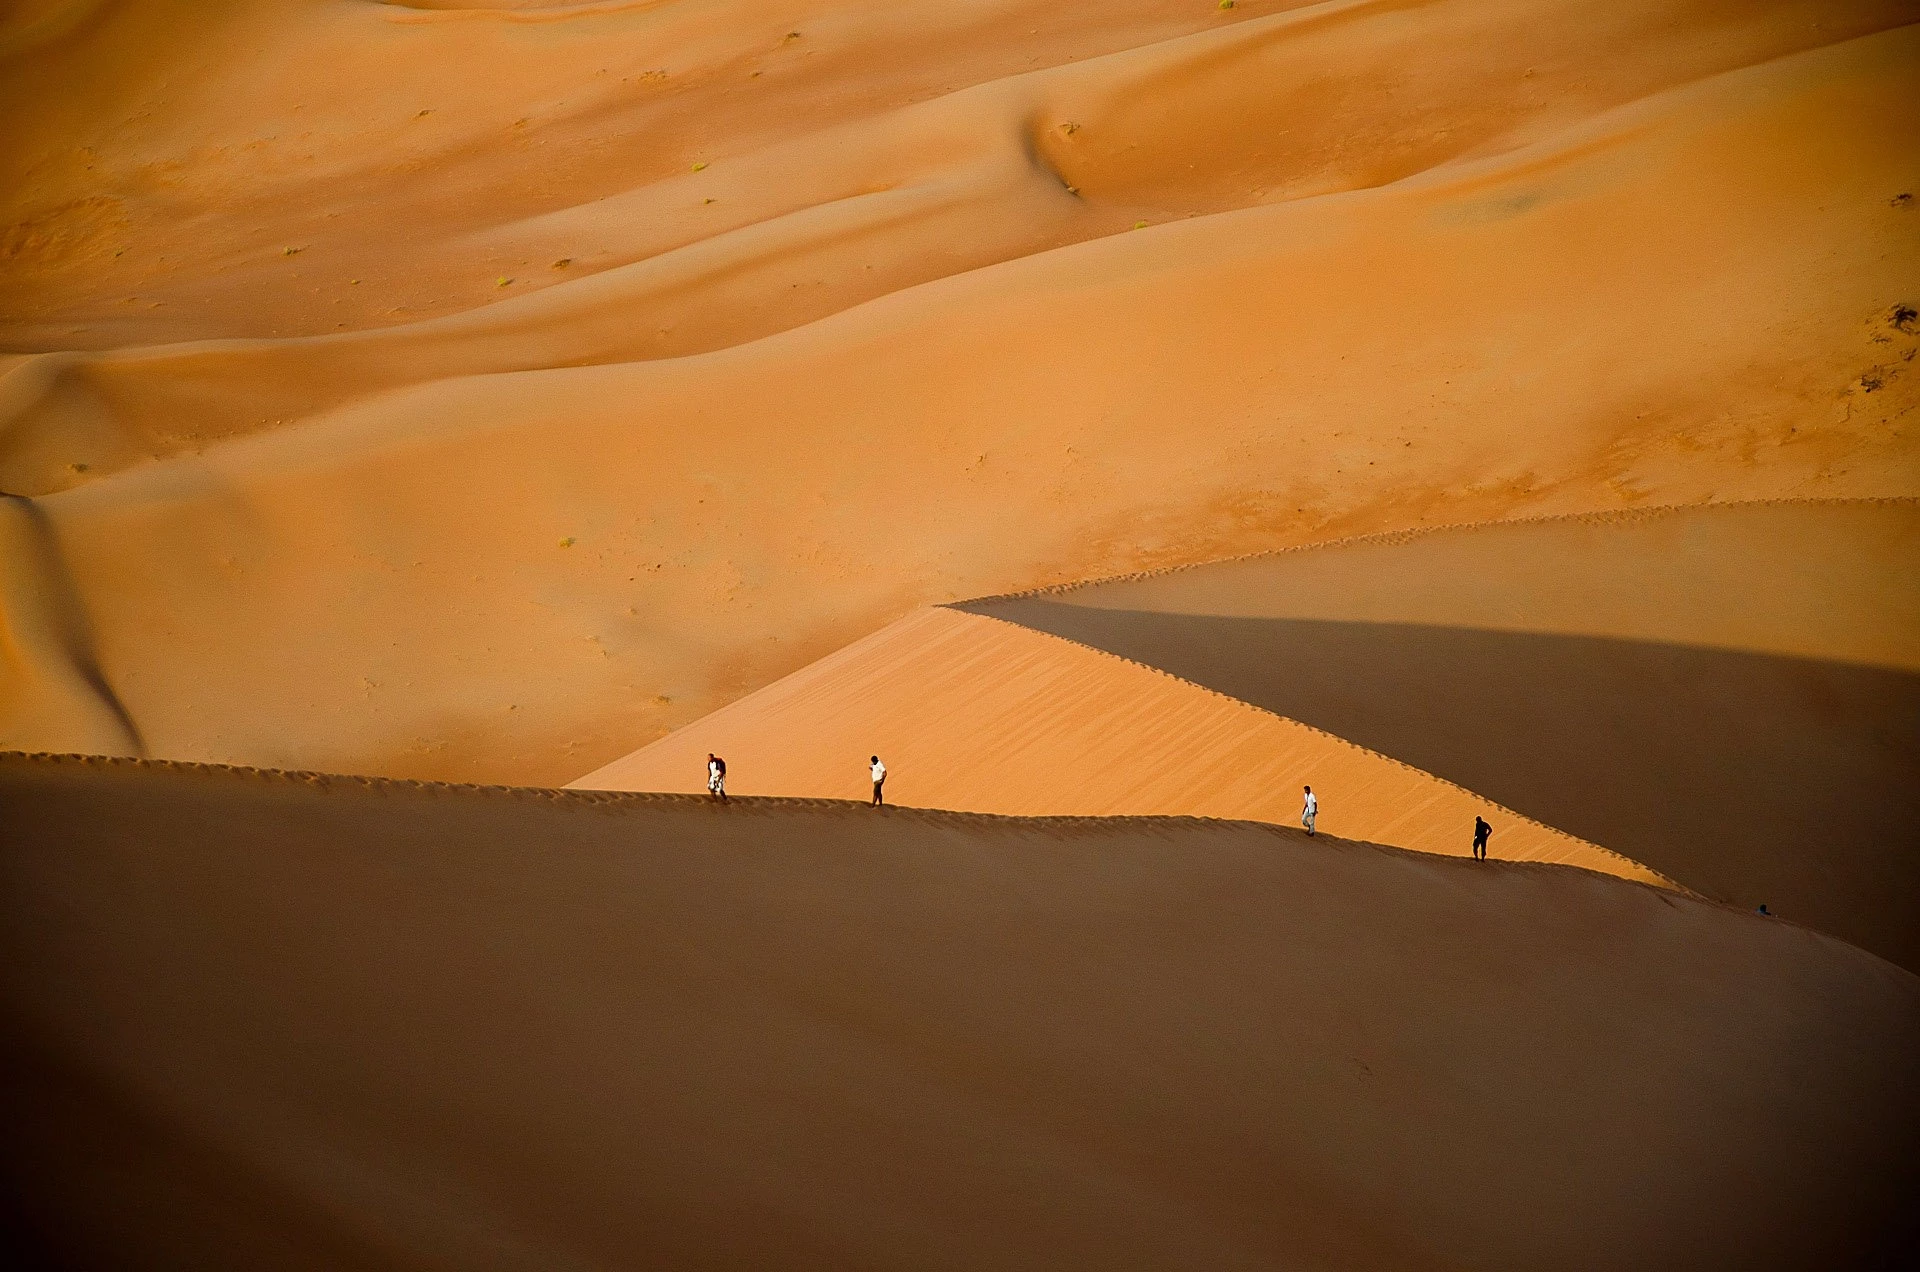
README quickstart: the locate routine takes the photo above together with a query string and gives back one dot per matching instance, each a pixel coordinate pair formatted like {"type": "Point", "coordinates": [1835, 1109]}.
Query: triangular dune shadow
{"type": "Point", "coordinates": [1748, 777]}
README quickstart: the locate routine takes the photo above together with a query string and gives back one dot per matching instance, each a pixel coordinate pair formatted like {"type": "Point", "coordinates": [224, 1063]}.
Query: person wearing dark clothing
{"type": "Point", "coordinates": [1481, 833]}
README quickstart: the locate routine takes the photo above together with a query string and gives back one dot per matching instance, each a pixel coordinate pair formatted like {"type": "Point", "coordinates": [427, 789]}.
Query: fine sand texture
{"type": "Point", "coordinates": [974, 714]}
{"type": "Point", "coordinates": [1727, 695]}
{"type": "Point", "coordinates": [481, 392]}
{"type": "Point", "coordinates": [271, 1020]}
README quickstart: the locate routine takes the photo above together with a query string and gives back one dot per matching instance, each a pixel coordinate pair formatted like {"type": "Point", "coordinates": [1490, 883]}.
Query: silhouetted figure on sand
{"type": "Point", "coordinates": [879, 779]}
{"type": "Point", "coordinates": [1481, 833]}
{"type": "Point", "coordinates": [716, 777]}
{"type": "Point", "coordinates": [1310, 810]}
{"type": "Point", "coordinates": [1763, 910]}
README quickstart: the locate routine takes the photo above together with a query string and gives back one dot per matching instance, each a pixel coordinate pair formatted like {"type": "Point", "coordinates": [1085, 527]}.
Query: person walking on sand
{"type": "Point", "coordinates": [716, 777]}
{"type": "Point", "coordinates": [1309, 811]}
{"type": "Point", "coordinates": [1481, 833]}
{"type": "Point", "coordinates": [879, 772]}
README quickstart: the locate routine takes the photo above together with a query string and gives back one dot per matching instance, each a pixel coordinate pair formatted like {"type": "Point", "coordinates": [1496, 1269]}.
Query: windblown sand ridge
{"type": "Point", "coordinates": [509, 1029]}
{"type": "Point", "coordinates": [1727, 695]}
{"type": "Point", "coordinates": [976, 714]}
{"type": "Point", "coordinates": [1675, 266]}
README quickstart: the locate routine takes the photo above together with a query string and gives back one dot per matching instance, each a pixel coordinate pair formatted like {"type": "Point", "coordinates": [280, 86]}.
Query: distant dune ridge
{"type": "Point", "coordinates": [358, 1023]}
{"type": "Point", "coordinates": [327, 324]}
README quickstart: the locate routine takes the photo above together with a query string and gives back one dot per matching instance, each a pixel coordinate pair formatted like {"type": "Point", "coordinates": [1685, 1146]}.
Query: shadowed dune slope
{"type": "Point", "coordinates": [1727, 695]}
{"type": "Point", "coordinates": [499, 1028]}
{"type": "Point", "coordinates": [985, 716]}
{"type": "Point", "coordinates": [332, 488]}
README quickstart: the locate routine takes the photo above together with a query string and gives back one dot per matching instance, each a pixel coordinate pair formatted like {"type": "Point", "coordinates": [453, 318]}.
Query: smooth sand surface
{"type": "Point", "coordinates": [1833, 580]}
{"type": "Point", "coordinates": [1727, 695]}
{"type": "Point", "coordinates": [269, 1020]}
{"type": "Point", "coordinates": [975, 714]}
{"type": "Point", "coordinates": [482, 393]}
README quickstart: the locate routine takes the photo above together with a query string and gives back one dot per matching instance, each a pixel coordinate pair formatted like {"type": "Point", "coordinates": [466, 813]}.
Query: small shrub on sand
{"type": "Point", "coordinates": [289, 251]}
{"type": "Point", "coordinates": [700, 165]}
{"type": "Point", "coordinates": [567, 542]}
{"type": "Point", "coordinates": [563, 262]}
{"type": "Point", "coordinates": [1226, 4]}
{"type": "Point", "coordinates": [1139, 225]}
{"type": "Point", "coordinates": [1902, 317]}
{"type": "Point", "coordinates": [502, 281]}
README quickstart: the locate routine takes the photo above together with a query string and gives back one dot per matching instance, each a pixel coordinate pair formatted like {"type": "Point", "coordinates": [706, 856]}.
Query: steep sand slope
{"type": "Point", "coordinates": [1725, 694]}
{"type": "Point", "coordinates": [984, 716]}
{"type": "Point", "coordinates": [265, 1021]}
{"type": "Point", "coordinates": [1472, 297]}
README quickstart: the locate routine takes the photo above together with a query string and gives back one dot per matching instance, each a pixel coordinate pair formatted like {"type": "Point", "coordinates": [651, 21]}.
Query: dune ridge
{"type": "Point", "coordinates": [1726, 694]}
{"type": "Point", "coordinates": [1001, 719]}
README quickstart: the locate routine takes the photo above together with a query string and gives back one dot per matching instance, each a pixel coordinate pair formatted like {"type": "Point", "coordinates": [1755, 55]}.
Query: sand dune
{"type": "Point", "coordinates": [328, 1022]}
{"type": "Point", "coordinates": [888, 196]}
{"type": "Point", "coordinates": [440, 548]}
{"type": "Point", "coordinates": [980, 715]}
{"type": "Point", "coordinates": [1727, 695]}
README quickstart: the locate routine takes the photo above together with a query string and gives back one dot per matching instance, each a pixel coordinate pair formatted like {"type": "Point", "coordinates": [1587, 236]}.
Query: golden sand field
{"type": "Point", "coordinates": [1118, 416]}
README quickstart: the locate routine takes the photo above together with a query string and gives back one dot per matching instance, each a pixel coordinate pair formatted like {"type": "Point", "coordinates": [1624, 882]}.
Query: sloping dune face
{"type": "Point", "coordinates": [1729, 695]}
{"type": "Point", "coordinates": [974, 714]}
{"type": "Point", "coordinates": [537, 1029]}
{"type": "Point", "coordinates": [479, 392]}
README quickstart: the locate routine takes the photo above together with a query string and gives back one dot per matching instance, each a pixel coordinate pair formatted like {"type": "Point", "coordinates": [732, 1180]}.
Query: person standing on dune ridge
{"type": "Point", "coordinates": [716, 777]}
{"type": "Point", "coordinates": [1309, 811]}
{"type": "Point", "coordinates": [879, 772]}
{"type": "Point", "coordinates": [1481, 833]}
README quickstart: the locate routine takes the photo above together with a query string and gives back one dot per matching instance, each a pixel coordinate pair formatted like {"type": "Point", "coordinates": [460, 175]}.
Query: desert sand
{"type": "Point", "coordinates": [265, 1019]}
{"type": "Point", "coordinates": [980, 715]}
{"type": "Point", "coordinates": [345, 469]}
{"type": "Point", "coordinates": [1726, 695]}
{"type": "Point", "coordinates": [1117, 416]}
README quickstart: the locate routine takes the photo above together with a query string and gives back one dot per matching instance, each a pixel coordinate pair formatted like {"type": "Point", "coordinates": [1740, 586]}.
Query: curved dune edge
{"type": "Point", "coordinates": [50, 677]}
{"type": "Point", "coordinates": [480, 1030]}
{"type": "Point", "coordinates": [1726, 694]}
{"type": "Point", "coordinates": [977, 714]}
{"type": "Point", "coordinates": [1868, 589]}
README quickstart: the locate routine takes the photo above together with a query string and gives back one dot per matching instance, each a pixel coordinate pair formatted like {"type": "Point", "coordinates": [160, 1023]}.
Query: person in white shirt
{"type": "Point", "coordinates": [1307, 813]}
{"type": "Point", "coordinates": [716, 777]}
{"type": "Point", "coordinates": [879, 771]}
